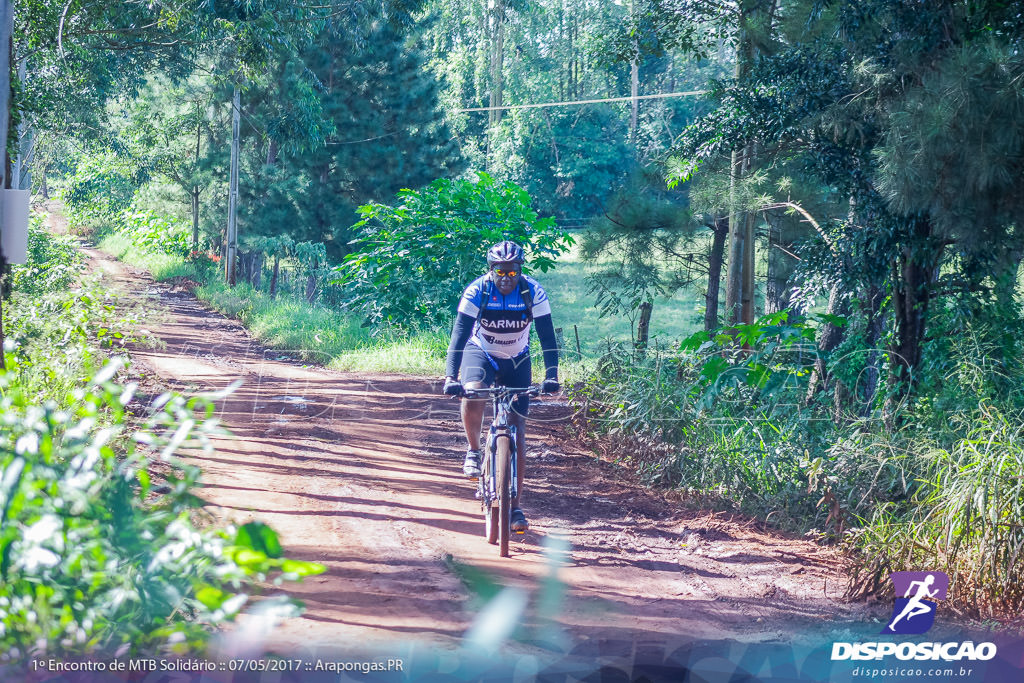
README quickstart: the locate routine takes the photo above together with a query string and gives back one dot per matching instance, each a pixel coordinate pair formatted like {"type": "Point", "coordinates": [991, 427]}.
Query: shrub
{"type": "Point", "coordinates": [411, 261]}
{"type": "Point", "coordinates": [91, 558]}
{"type": "Point", "coordinates": [151, 232]}
{"type": "Point", "coordinates": [101, 187]}
{"type": "Point", "coordinates": [960, 512]}
{"type": "Point", "coordinates": [724, 414]}
{"type": "Point", "coordinates": [53, 263]}
{"type": "Point", "coordinates": [93, 555]}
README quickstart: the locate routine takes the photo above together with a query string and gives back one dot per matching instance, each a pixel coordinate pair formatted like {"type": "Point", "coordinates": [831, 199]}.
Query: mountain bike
{"type": "Point", "coordinates": [498, 483]}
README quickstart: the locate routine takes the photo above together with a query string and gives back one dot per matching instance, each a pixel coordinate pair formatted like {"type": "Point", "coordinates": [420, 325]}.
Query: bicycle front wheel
{"type": "Point", "coordinates": [488, 503]}
{"type": "Point", "coordinates": [503, 458]}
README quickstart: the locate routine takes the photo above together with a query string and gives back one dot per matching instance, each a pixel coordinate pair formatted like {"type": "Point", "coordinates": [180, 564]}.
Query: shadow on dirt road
{"type": "Point", "coordinates": [362, 473]}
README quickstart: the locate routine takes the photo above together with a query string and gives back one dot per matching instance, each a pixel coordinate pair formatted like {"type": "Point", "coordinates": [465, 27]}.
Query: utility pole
{"type": "Point", "coordinates": [20, 177]}
{"type": "Point", "coordinates": [634, 117]}
{"type": "Point", "coordinates": [231, 252]}
{"type": "Point", "coordinates": [634, 81]}
{"type": "Point", "coordinates": [495, 26]}
{"type": "Point", "coordinates": [6, 28]}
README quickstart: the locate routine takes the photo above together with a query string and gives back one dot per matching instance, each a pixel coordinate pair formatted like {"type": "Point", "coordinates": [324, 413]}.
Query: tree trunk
{"type": "Point", "coordinates": [873, 334]}
{"type": "Point", "coordinates": [914, 273]}
{"type": "Point", "coordinates": [734, 272]}
{"type": "Point", "coordinates": [195, 188]}
{"type": "Point", "coordinates": [253, 266]}
{"type": "Point", "coordinates": [257, 269]}
{"type": "Point", "coordinates": [311, 283]}
{"type": "Point", "coordinates": [231, 238]}
{"type": "Point", "coordinates": [775, 293]}
{"type": "Point", "coordinates": [6, 26]}
{"type": "Point", "coordinates": [737, 231]}
{"type": "Point", "coordinates": [737, 243]}
{"type": "Point", "coordinates": [273, 276]}
{"type": "Point", "coordinates": [573, 91]}
{"type": "Point", "coordinates": [195, 218]}
{"type": "Point", "coordinates": [643, 327]}
{"type": "Point", "coordinates": [721, 232]}
{"type": "Point", "coordinates": [496, 26]}
{"type": "Point", "coordinates": [20, 179]}
{"type": "Point", "coordinates": [739, 290]}
{"type": "Point", "coordinates": [634, 114]}
{"type": "Point", "coordinates": [1007, 269]}
{"type": "Point", "coordinates": [747, 292]}
{"type": "Point", "coordinates": [831, 336]}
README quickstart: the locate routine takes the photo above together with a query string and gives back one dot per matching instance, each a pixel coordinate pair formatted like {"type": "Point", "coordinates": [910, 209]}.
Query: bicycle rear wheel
{"type": "Point", "coordinates": [503, 458]}
{"type": "Point", "coordinates": [491, 523]}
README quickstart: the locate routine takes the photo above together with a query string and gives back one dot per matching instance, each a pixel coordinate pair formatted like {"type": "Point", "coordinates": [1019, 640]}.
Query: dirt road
{"type": "Point", "coordinates": [362, 473]}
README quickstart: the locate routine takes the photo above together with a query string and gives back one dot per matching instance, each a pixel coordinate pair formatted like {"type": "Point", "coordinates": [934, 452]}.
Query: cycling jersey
{"type": "Point", "coordinates": [503, 331]}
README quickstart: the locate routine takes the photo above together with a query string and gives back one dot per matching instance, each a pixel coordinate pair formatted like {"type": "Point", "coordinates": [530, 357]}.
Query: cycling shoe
{"type": "Point", "coordinates": [471, 465]}
{"type": "Point", "coordinates": [518, 520]}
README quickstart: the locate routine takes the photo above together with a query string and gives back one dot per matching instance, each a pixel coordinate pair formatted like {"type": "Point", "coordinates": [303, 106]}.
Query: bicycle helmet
{"type": "Point", "coordinates": [505, 252]}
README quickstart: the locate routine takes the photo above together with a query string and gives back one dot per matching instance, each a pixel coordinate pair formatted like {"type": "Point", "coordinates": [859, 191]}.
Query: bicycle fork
{"type": "Point", "coordinates": [485, 485]}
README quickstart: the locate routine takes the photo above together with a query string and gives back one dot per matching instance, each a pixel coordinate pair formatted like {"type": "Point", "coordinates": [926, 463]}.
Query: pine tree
{"type": "Point", "coordinates": [388, 131]}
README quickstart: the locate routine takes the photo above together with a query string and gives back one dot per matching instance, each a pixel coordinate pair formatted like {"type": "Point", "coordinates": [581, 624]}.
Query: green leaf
{"type": "Point", "coordinates": [757, 375]}
{"type": "Point", "coordinates": [302, 568]}
{"type": "Point", "coordinates": [211, 597]}
{"type": "Point", "coordinates": [695, 341]}
{"type": "Point", "coordinates": [713, 368]}
{"type": "Point", "coordinates": [835, 320]}
{"type": "Point", "coordinates": [260, 537]}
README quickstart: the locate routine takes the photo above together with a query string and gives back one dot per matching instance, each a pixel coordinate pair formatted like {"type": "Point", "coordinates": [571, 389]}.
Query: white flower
{"type": "Point", "coordinates": [43, 530]}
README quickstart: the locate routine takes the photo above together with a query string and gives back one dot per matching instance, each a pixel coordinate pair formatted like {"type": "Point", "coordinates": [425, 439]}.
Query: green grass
{"type": "Point", "coordinates": [324, 336]}
{"type": "Point", "coordinates": [161, 266]}
{"type": "Point", "coordinates": [336, 340]}
{"type": "Point", "coordinates": [571, 304]}
{"type": "Point", "coordinates": [314, 333]}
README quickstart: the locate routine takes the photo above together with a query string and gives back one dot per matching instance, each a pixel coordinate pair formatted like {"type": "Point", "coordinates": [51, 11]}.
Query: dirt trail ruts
{"type": "Point", "coordinates": [361, 472]}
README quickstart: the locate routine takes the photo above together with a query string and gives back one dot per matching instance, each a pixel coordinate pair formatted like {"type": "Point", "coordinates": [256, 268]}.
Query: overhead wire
{"type": "Point", "coordinates": [568, 103]}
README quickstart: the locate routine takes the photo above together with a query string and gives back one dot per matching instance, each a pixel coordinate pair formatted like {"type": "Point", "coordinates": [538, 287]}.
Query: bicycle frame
{"type": "Point", "coordinates": [502, 399]}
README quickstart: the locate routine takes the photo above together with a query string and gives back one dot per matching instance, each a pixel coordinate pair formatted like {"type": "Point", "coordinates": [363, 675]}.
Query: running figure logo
{"type": "Point", "coordinates": [914, 612]}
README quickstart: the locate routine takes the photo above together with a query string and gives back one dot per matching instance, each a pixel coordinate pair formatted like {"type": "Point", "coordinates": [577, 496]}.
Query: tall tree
{"type": "Point", "coordinates": [382, 129]}
{"type": "Point", "coordinates": [169, 129]}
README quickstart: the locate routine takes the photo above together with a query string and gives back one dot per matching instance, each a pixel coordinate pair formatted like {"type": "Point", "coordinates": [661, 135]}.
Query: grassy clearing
{"type": "Point", "coordinates": [674, 318]}
{"type": "Point", "coordinates": [324, 336]}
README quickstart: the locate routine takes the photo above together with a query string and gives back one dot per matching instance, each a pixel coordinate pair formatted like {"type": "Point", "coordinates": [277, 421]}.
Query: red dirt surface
{"type": "Point", "coordinates": [362, 473]}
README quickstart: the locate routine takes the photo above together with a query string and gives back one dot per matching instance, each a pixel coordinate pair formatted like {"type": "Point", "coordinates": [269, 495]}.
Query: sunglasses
{"type": "Point", "coordinates": [505, 273]}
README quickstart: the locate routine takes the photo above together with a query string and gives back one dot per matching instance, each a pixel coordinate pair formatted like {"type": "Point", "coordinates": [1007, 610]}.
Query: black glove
{"type": "Point", "coordinates": [453, 387]}
{"type": "Point", "coordinates": [550, 386]}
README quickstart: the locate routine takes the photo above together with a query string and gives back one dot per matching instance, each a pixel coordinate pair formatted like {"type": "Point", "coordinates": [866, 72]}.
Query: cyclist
{"type": "Point", "coordinates": [491, 343]}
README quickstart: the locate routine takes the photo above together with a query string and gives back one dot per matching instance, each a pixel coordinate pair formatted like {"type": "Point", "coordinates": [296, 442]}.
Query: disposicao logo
{"type": "Point", "coordinates": [915, 612]}
{"type": "Point", "coordinates": [917, 596]}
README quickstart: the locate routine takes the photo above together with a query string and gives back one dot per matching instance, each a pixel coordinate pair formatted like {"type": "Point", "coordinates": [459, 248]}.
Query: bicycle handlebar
{"type": "Point", "coordinates": [488, 392]}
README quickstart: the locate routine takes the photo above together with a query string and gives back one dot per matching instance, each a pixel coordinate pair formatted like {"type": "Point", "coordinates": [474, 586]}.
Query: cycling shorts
{"type": "Point", "coordinates": [516, 372]}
